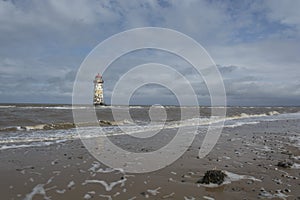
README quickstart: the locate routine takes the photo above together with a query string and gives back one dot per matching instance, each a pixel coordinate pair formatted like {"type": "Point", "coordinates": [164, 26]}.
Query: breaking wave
{"type": "Point", "coordinates": [66, 125]}
{"type": "Point", "coordinates": [7, 106]}
{"type": "Point", "coordinates": [48, 134]}
{"type": "Point", "coordinates": [172, 124]}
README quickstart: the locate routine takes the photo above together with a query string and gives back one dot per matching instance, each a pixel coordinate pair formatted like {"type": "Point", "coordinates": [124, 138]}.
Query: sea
{"type": "Point", "coordinates": [34, 125]}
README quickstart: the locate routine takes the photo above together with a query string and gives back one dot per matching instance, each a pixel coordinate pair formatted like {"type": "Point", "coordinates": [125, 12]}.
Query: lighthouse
{"type": "Point", "coordinates": [98, 90]}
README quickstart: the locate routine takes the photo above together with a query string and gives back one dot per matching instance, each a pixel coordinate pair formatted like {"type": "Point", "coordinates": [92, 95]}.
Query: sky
{"type": "Point", "coordinates": [255, 45]}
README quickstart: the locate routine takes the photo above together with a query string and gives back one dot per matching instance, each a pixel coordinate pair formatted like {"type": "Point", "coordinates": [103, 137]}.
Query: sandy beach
{"type": "Point", "coordinates": [247, 154]}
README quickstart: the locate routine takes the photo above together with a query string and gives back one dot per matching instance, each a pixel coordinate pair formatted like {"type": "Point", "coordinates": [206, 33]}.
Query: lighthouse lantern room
{"type": "Point", "coordinates": [98, 90]}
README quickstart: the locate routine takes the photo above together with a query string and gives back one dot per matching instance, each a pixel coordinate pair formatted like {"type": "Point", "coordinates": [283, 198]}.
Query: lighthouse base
{"type": "Point", "coordinates": [100, 104]}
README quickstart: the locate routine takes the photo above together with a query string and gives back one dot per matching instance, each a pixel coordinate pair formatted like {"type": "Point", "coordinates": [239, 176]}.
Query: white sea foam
{"type": "Point", "coordinates": [87, 196]}
{"type": "Point", "coordinates": [109, 170]}
{"type": "Point", "coordinates": [273, 113]}
{"type": "Point", "coordinates": [108, 197]}
{"type": "Point", "coordinates": [295, 140]}
{"type": "Point", "coordinates": [296, 157]}
{"type": "Point", "coordinates": [95, 168]}
{"type": "Point", "coordinates": [55, 107]}
{"type": "Point", "coordinates": [7, 106]}
{"type": "Point", "coordinates": [71, 184]}
{"type": "Point", "coordinates": [169, 195]}
{"type": "Point", "coordinates": [208, 198]}
{"type": "Point", "coordinates": [154, 191]}
{"type": "Point", "coordinates": [39, 189]}
{"type": "Point", "coordinates": [236, 177]}
{"type": "Point", "coordinates": [237, 124]}
{"type": "Point", "coordinates": [189, 198]}
{"type": "Point", "coordinates": [107, 186]}
{"type": "Point", "coordinates": [35, 144]}
{"type": "Point", "coordinates": [122, 107]}
{"type": "Point", "coordinates": [60, 191]}
{"type": "Point", "coordinates": [35, 127]}
{"type": "Point", "coordinates": [295, 166]}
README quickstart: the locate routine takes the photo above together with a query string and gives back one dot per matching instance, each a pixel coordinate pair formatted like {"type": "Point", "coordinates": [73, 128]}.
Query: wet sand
{"type": "Point", "coordinates": [248, 154]}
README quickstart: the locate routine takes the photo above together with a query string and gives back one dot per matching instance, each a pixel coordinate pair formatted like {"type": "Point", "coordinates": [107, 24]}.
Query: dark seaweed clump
{"type": "Point", "coordinates": [213, 176]}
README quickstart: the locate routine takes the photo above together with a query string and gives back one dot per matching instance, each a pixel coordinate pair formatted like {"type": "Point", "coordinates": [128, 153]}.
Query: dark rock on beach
{"type": "Point", "coordinates": [105, 123]}
{"type": "Point", "coordinates": [285, 164]}
{"type": "Point", "coordinates": [59, 126]}
{"type": "Point", "coordinates": [213, 176]}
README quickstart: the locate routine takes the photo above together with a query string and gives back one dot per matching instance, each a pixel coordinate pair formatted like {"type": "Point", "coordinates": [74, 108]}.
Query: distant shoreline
{"type": "Point", "coordinates": [143, 105]}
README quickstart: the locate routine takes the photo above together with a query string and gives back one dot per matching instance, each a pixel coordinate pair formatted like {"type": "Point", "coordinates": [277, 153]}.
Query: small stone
{"type": "Point", "coordinates": [285, 164]}
{"type": "Point", "coordinates": [287, 190]}
{"type": "Point", "coordinates": [262, 189]}
{"type": "Point", "coordinates": [145, 194]}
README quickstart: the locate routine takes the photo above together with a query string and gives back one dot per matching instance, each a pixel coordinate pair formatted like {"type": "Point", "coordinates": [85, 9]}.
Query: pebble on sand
{"type": "Point", "coordinates": [285, 164]}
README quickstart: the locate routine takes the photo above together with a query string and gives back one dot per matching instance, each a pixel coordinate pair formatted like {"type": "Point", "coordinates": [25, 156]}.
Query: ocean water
{"type": "Point", "coordinates": [23, 126]}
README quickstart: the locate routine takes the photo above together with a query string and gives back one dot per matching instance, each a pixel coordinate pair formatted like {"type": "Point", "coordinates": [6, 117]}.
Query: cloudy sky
{"type": "Point", "coordinates": [255, 45]}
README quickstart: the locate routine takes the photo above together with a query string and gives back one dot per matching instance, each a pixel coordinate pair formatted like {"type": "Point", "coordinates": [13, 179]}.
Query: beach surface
{"type": "Point", "coordinates": [247, 153]}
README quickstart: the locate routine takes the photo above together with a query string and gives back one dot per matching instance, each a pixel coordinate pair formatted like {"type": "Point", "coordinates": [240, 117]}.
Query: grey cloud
{"type": "Point", "coordinates": [285, 12]}
{"type": "Point", "coordinates": [226, 69]}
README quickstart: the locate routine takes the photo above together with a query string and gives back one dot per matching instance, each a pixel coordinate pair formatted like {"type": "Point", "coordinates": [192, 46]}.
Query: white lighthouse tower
{"type": "Point", "coordinates": [98, 90]}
